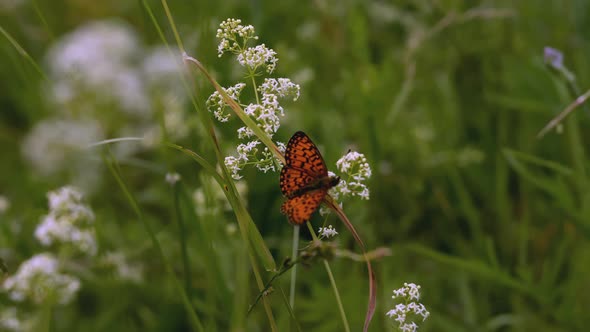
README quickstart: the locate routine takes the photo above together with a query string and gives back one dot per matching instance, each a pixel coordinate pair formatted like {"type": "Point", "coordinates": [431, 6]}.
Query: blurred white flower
{"type": "Point", "coordinates": [231, 228]}
{"type": "Point", "coordinates": [9, 320]}
{"type": "Point", "coordinates": [4, 204]}
{"type": "Point", "coordinates": [38, 279]}
{"type": "Point", "coordinates": [123, 269]}
{"type": "Point", "coordinates": [210, 200]}
{"type": "Point", "coordinates": [7, 6]}
{"type": "Point", "coordinates": [69, 221]}
{"type": "Point", "coordinates": [172, 178]}
{"type": "Point", "coordinates": [55, 144]}
{"type": "Point", "coordinates": [163, 72]}
{"type": "Point", "coordinates": [405, 312]}
{"type": "Point", "coordinates": [97, 59]}
{"type": "Point", "coordinates": [468, 156]}
{"type": "Point", "coordinates": [162, 69]}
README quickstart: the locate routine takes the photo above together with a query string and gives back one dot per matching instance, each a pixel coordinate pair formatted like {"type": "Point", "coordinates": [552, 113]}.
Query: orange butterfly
{"type": "Point", "coordinates": [304, 179]}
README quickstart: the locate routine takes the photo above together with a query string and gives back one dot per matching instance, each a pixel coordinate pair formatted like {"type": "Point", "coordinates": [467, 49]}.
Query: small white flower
{"type": "Point", "coordinates": [231, 228]}
{"type": "Point", "coordinates": [282, 87]}
{"type": "Point", "coordinates": [258, 56]}
{"type": "Point", "coordinates": [229, 32]}
{"type": "Point", "coordinates": [97, 60]}
{"type": "Point", "coordinates": [4, 204]}
{"type": "Point", "coordinates": [216, 104]}
{"type": "Point", "coordinates": [55, 144]}
{"type": "Point", "coordinates": [38, 278]}
{"type": "Point", "coordinates": [172, 178]}
{"type": "Point", "coordinates": [327, 232]}
{"type": "Point", "coordinates": [282, 147]}
{"type": "Point", "coordinates": [409, 294]}
{"type": "Point", "coordinates": [266, 112]}
{"type": "Point", "coordinates": [122, 268]}
{"type": "Point", "coordinates": [68, 221]}
{"type": "Point", "coordinates": [245, 132]}
{"type": "Point", "coordinates": [357, 169]}
{"type": "Point", "coordinates": [9, 320]}
{"type": "Point", "coordinates": [408, 327]}
{"type": "Point", "coordinates": [354, 163]}
{"type": "Point", "coordinates": [233, 164]}
{"type": "Point", "coordinates": [245, 150]}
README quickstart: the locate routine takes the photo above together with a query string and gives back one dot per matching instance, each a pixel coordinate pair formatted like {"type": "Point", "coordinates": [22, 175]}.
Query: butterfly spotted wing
{"type": "Point", "coordinates": [304, 179]}
{"type": "Point", "coordinates": [300, 208]}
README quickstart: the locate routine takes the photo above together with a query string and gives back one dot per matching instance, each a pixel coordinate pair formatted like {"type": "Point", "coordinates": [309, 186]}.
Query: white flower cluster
{"type": "Point", "coordinates": [411, 294]}
{"type": "Point", "coordinates": [55, 143]}
{"type": "Point", "coordinates": [10, 321]}
{"type": "Point", "coordinates": [267, 111]}
{"type": "Point", "coordinates": [229, 31]}
{"type": "Point", "coordinates": [282, 87]}
{"type": "Point", "coordinates": [172, 178]}
{"type": "Point", "coordinates": [4, 204]}
{"type": "Point", "coordinates": [39, 279]}
{"type": "Point", "coordinates": [98, 58]}
{"type": "Point", "coordinates": [69, 221]}
{"type": "Point", "coordinates": [327, 232]}
{"type": "Point", "coordinates": [216, 103]}
{"type": "Point", "coordinates": [122, 268]}
{"type": "Point", "coordinates": [257, 57]}
{"type": "Point", "coordinates": [102, 80]}
{"type": "Point", "coordinates": [357, 171]}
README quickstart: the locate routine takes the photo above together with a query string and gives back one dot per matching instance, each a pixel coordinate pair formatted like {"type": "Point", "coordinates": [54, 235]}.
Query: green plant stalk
{"type": "Point", "coordinates": [480, 269]}
{"type": "Point", "coordinates": [575, 144]}
{"type": "Point", "coordinates": [182, 235]}
{"type": "Point", "coordinates": [289, 308]}
{"type": "Point", "coordinates": [247, 227]}
{"type": "Point", "coordinates": [240, 299]}
{"type": "Point", "coordinates": [115, 171]}
{"type": "Point", "coordinates": [332, 282]}
{"type": "Point", "coordinates": [254, 87]}
{"type": "Point", "coordinates": [43, 20]}
{"type": "Point", "coordinates": [264, 138]}
{"type": "Point", "coordinates": [255, 237]}
{"type": "Point", "coordinates": [295, 248]}
{"type": "Point", "coordinates": [467, 205]}
{"type": "Point", "coordinates": [22, 52]}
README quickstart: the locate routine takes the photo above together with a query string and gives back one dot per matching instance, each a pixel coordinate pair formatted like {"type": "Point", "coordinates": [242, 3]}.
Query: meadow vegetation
{"type": "Point", "coordinates": [141, 149]}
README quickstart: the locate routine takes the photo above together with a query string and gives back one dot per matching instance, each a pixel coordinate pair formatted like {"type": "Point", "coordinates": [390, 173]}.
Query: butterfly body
{"type": "Point", "coordinates": [323, 182]}
{"type": "Point", "coordinates": [304, 179]}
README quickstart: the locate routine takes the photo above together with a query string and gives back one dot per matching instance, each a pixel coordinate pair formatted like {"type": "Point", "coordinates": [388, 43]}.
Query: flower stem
{"type": "Point", "coordinates": [332, 282]}
{"type": "Point", "coordinates": [294, 268]}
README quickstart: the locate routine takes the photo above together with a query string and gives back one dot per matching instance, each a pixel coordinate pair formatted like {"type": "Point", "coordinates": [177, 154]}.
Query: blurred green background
{"type": "Point", "coordinates": [445, 98]}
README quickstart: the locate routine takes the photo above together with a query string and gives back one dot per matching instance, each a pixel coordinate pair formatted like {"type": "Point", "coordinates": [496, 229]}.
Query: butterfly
{"type": "Point", "coordinates": [304, 179]}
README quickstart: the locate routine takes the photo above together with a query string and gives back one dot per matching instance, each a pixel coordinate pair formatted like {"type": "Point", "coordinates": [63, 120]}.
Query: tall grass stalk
{"type": "Point", "coordinates": [332, 283]}
{"type": "Point", "coordinates": [248, 230]}
{"type": "Point", "coordinates": [113, 166]}
{"type": "Point", "coordinates": [295, 249]}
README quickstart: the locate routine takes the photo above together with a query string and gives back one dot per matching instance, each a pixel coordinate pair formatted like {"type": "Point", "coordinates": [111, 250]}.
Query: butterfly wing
{"type": "Point", "coordinates": [299, 209]}
{"type": "Point", "coordinates": [301, 153]}
{"type": "Point", "coordinates": [293, 179]}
